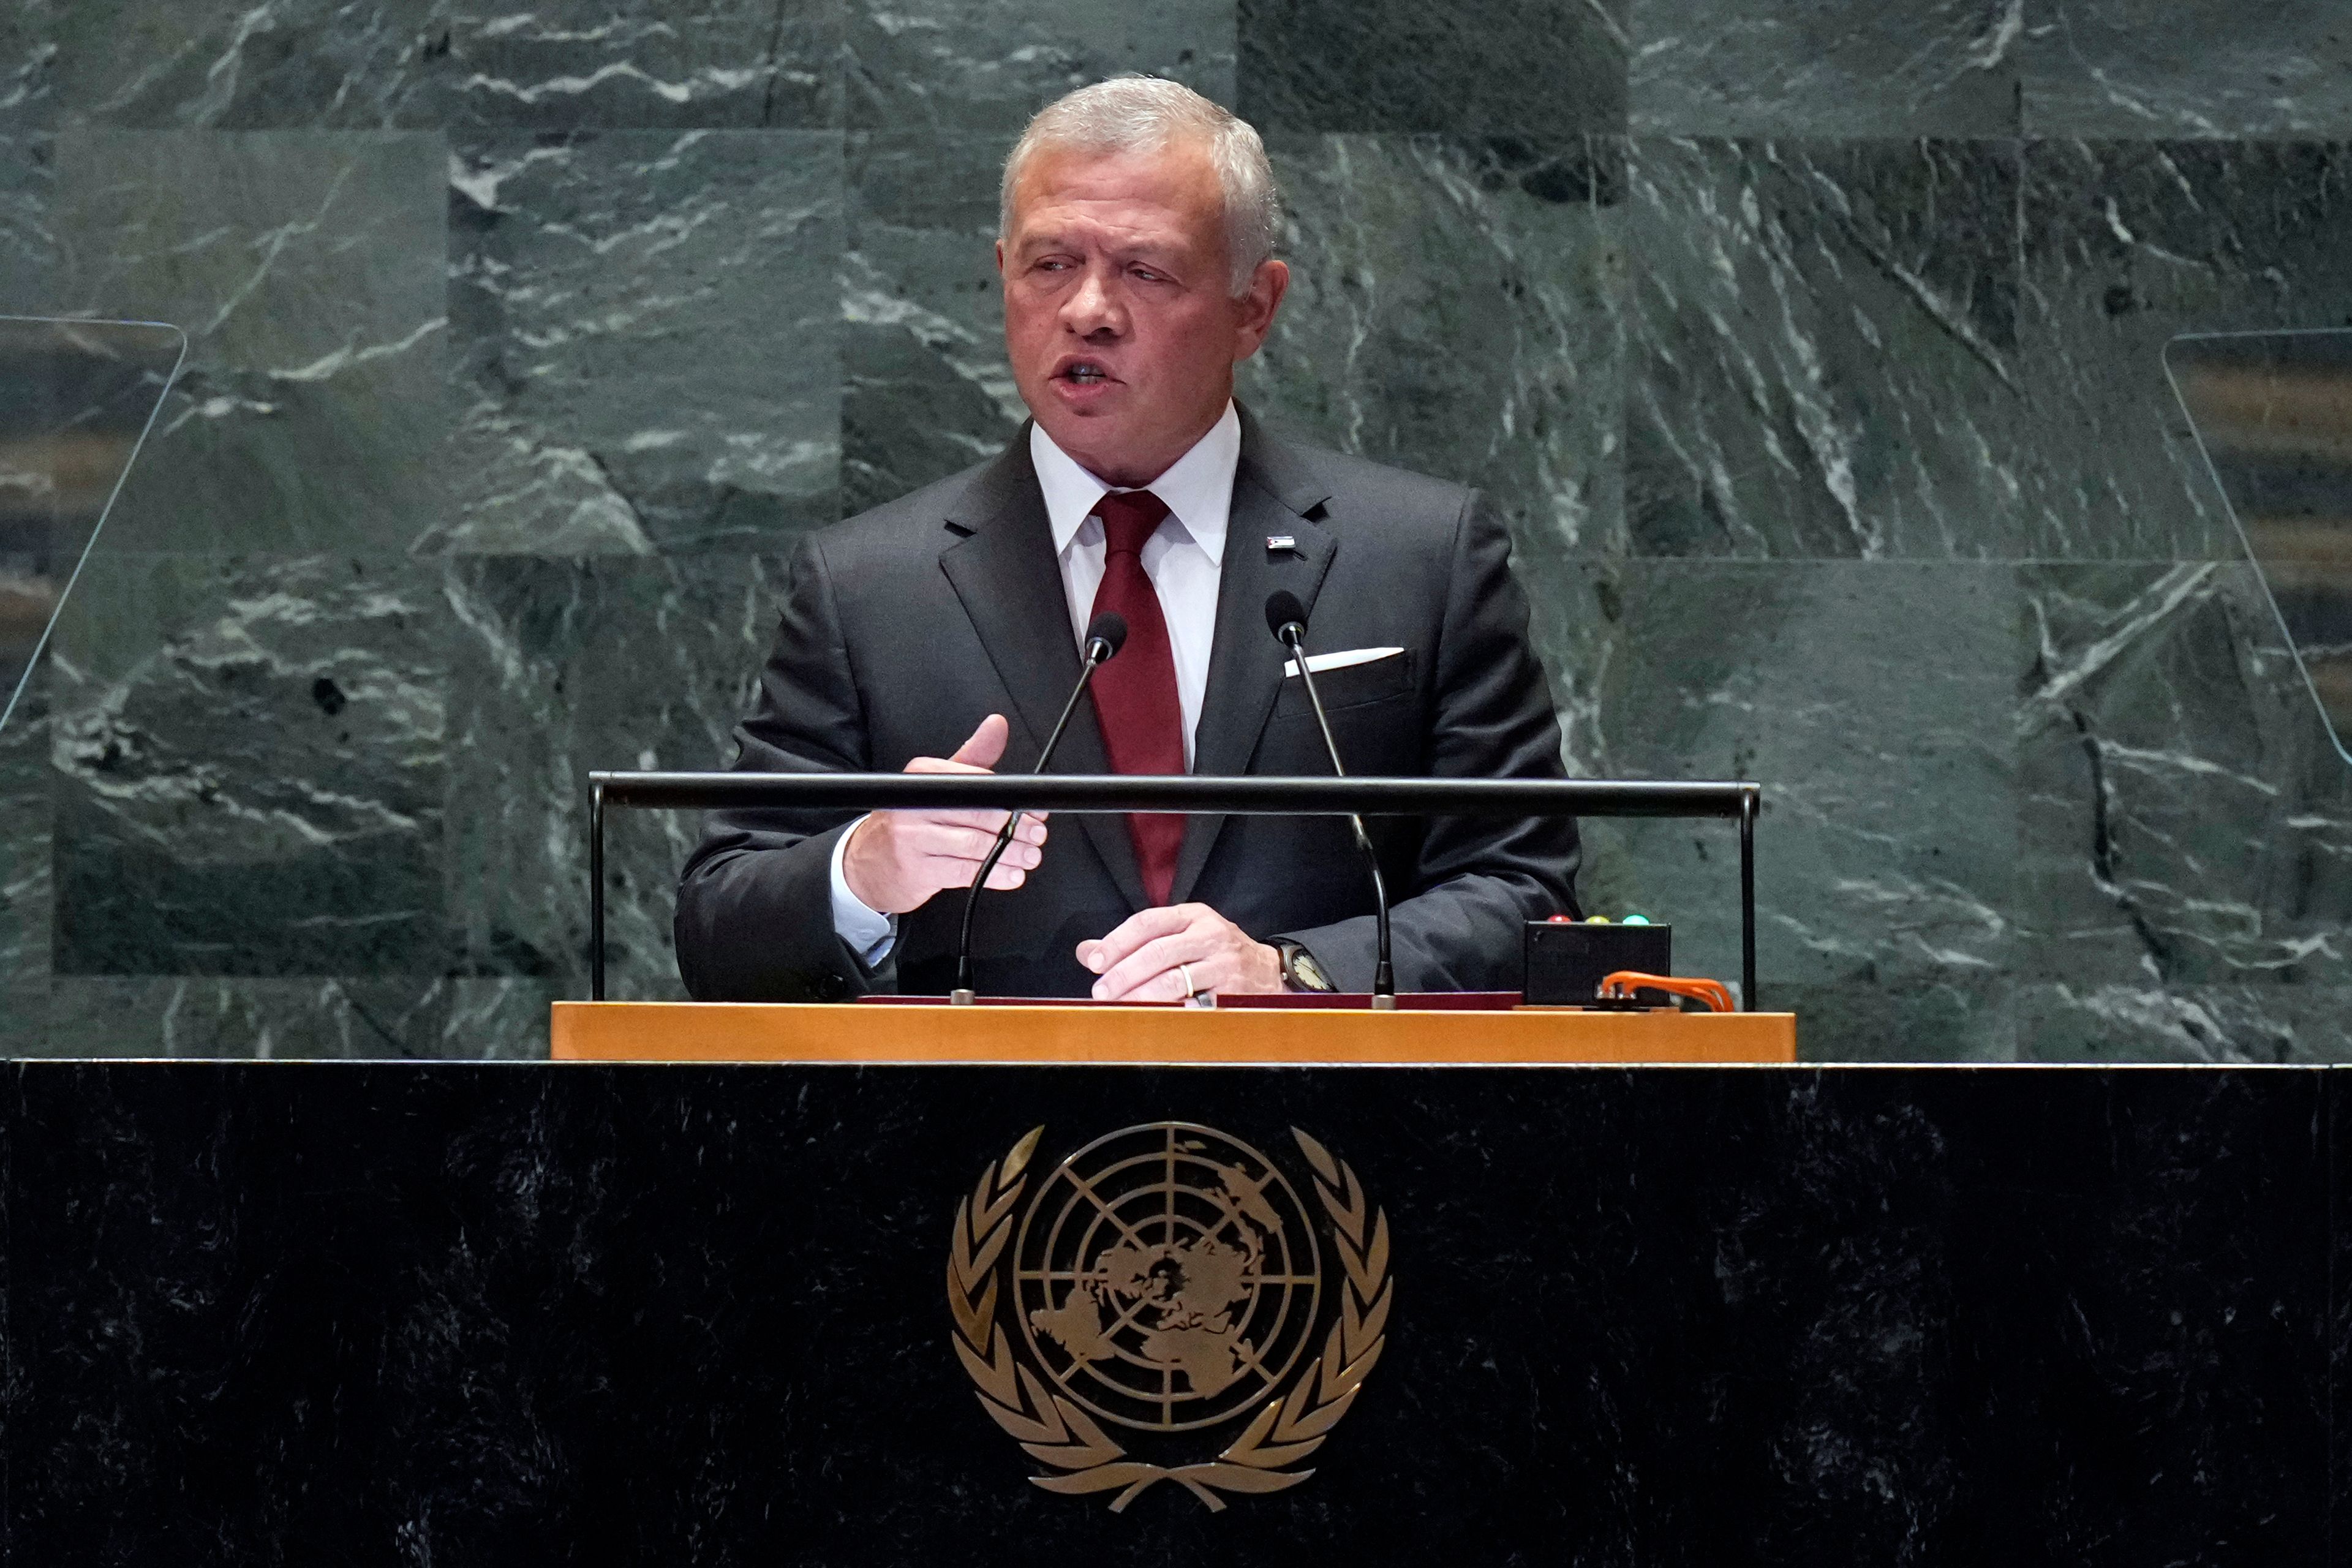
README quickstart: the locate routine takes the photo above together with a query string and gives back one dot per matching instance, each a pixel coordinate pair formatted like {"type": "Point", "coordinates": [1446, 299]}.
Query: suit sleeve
{"type": "Point", "coordinates": [1465, 887]}
{"type": "Point", "coordinates": [754, 902]}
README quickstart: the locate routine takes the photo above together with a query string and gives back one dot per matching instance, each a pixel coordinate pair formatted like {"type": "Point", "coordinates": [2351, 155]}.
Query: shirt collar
{"type": "Point", "coordinates": [1198, 487]}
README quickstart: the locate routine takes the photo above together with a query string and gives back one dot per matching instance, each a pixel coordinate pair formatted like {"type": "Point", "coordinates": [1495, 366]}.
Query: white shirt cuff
{"type": "Point", "coordinates": [869, 933]}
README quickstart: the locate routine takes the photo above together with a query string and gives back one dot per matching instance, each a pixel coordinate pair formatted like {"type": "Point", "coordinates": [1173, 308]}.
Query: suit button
{"type": "Point", "coordinates": [832, 988]}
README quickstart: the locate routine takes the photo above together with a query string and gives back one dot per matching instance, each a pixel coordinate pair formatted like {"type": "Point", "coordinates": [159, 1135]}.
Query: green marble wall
{"type": "Point", "coordinates": [1809, 346]}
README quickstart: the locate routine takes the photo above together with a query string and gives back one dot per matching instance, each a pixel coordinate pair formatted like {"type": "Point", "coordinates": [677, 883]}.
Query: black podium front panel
{"type": "Point", "coordinates": [476, 1314]}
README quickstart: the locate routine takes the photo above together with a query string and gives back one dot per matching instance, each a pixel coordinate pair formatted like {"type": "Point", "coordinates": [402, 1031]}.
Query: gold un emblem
{"type": "Point", "coordinates": [1166, 1280]}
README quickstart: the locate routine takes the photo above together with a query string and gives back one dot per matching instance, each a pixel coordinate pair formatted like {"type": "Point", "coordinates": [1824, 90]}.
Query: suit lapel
{"type": "Point", "coordinates": [1272, 494]}
{"type": "Point", "coordinates": [1002, 566]}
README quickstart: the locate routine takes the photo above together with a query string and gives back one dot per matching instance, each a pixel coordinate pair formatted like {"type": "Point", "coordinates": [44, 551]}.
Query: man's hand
{"type": "Point", "coordinates": [1141, 961]}
{"type": "Point", "coordinates": [897, 859]}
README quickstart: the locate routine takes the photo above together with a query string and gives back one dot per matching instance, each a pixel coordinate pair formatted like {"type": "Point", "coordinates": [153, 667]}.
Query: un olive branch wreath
{"type": "Point", "coordinates": [1055, 1431]}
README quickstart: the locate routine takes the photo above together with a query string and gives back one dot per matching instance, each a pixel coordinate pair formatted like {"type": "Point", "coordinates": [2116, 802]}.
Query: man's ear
{"type": "Point", "coordinates": [999, 258]}
{"type": "Point", "coordinates": [1256, 309]}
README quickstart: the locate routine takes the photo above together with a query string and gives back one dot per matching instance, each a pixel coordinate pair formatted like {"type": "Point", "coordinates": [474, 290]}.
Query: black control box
{"type": "Point", "coordinates": [1567, 962]}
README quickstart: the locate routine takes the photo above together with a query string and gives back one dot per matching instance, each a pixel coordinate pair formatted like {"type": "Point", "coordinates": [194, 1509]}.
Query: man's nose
{"type": "Point", "coordinates": [1093, 308]}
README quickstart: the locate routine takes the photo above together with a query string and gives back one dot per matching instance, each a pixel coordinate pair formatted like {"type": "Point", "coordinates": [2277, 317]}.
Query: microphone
{"type": "Point", "coordinates": [1286, 617]}
{"type": "Point", "coordinates": [1106, 634]}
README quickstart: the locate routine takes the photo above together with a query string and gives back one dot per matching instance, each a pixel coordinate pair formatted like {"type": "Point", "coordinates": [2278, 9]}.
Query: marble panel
{"type": "Point", "coordinates": [307, 271]}
{"type": "Point", "coordinates": [562, 65]}
{"type": "Point", "coordinates": [249, 759]}
{"type": "Point", "coordinates": [1825, 68]}
{"type": "Point", "coordinates": [1456, 308]}
{"type": "Point", "coordinates": [1825, 357]}
{"type": "Point", "coordinates": [326, 1018]}
{"type": "Point", "coordinates": [563, 666]}
{"type": "Point", "coordinates": [2187, 67]}
{"type": "Point", "coordinates": [1969, 1016]}
{"type": "Point", "coordinates": [284, 63]}
{"type": "Point", "coordinates": [314, 1019]}
{"type": "Point", "coordinates": [26, 894]}
{"type": "Point", "coordinates": [500, 1018]}
{"type": "Point", "coordinates": [1872, 700]}
{"type": "Point", "coordinates": [926, 388]}
{"type": "Point", "coordinates": [646, 348]}
{"type": "Point", "coordinates": [988, 64]}
{"type": "Point", "coordinates": [28, 244]}
{"type": "Point", "coordinates": [27, 56]}
{"type": "Point", "coordinates": [2265, 1024]}
{"type": "Point", "coordinates": [2125, 245]}
{"type": "Point", "coordinates": [621, 64]}
{"type": "Point", "coordinates": [2183, 817]}
{"type": "Point", "coordinates": [1510, 66]}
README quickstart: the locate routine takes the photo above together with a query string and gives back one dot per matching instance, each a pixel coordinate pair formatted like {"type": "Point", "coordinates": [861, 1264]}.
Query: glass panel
{"type": "Point", "coordinates": [2274, 413]}
{"type": "Point", "coordinates": [77, 399]}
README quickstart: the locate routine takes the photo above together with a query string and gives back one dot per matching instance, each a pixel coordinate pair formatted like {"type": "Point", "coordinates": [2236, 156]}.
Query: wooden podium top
{"type": "Point", "coordinates": [838, 1032]}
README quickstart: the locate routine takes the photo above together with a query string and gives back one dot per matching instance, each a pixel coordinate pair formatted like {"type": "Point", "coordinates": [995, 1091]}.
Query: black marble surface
{"type": "Point", "coordinates": [1810, 349]}
{"type": "Point", "coordinates": [483, 1314]}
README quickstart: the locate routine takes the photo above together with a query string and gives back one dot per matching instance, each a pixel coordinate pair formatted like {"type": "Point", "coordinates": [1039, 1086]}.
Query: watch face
{"type": "Point", "coordinates": [1310, 974]}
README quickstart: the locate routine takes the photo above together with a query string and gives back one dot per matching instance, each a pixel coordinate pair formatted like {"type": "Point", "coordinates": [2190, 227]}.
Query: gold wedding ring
{"type": "Point", "coordinates": [1193, 996]}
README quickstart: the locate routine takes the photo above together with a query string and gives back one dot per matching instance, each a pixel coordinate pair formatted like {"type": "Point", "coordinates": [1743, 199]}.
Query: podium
{"type": "Point", "coordinates": [623, 1312]}
{"type": "Point", "coordinates": [1029, 1035]}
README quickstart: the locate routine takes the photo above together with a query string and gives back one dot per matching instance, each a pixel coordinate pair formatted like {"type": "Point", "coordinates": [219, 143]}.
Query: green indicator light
{"type": "Point", "coordinates": [1636, 921]}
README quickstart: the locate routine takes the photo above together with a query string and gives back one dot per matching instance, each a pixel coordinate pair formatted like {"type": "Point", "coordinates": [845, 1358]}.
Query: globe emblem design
{"type": "Point", "coordinates": [1167, 1276]}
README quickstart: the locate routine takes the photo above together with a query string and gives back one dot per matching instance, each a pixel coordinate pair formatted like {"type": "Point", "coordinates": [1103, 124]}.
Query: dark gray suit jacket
{"type": "Point", "coordinates": [905, 626]}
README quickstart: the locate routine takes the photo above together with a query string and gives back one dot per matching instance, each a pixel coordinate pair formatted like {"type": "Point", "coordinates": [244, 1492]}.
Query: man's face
{"type": "Point", "coordinates": [1118, 314]}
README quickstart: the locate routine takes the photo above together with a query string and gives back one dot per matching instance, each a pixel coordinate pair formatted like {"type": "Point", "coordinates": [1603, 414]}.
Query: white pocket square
{"type": "Point", "coordinates": [1319, 662]}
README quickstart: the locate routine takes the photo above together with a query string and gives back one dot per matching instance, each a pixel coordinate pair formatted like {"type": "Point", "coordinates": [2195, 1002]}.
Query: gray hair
{"type": "Point", "coordinates": [1144, 114]}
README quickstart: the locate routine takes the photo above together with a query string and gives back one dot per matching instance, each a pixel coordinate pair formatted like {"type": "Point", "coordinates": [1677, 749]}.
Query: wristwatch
{"type": "Point", "coordinates": [1299, 970]}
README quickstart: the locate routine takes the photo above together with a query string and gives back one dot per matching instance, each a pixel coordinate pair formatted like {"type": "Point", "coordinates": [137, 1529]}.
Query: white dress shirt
{"type": "Point", "coordinates": [1184, 559]}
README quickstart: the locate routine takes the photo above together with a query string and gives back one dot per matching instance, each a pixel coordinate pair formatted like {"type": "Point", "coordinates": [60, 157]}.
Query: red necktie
{"type": "Point", "coordinates": [1135, 694]}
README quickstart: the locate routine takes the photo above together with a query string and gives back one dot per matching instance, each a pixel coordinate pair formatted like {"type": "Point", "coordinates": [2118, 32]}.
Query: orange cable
{"type": "Point", "coordinates": [1625, 981]}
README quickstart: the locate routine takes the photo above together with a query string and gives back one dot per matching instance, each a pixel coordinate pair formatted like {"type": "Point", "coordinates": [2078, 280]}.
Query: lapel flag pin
{"type": "Point", "coordinates": [1281, 542]}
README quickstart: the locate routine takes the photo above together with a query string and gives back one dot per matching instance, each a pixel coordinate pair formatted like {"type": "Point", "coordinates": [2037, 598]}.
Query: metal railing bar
{"type": "Point", "coordinates": [1247, 795]}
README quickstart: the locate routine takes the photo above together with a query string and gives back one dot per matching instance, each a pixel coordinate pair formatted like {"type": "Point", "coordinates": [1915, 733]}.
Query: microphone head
{"type": "Point", "coordinates": [1109, 629]}
{"type": "Point", "coordinates": [1282, 611]}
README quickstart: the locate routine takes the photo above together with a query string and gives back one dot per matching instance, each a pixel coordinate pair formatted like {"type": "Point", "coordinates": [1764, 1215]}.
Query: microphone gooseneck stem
{"type": "Point", "coordinates": [1383, 977]}
{"type": "Point", "coordinates": [1097, 650]}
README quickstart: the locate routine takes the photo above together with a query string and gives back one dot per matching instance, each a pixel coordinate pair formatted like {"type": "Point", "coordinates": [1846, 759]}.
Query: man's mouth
{"type": "Point", "coordinates": [1085, 373]}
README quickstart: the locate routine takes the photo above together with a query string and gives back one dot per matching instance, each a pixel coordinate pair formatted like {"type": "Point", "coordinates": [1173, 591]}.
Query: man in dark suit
{"type": "Point", "coordinates": [941, 633]}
